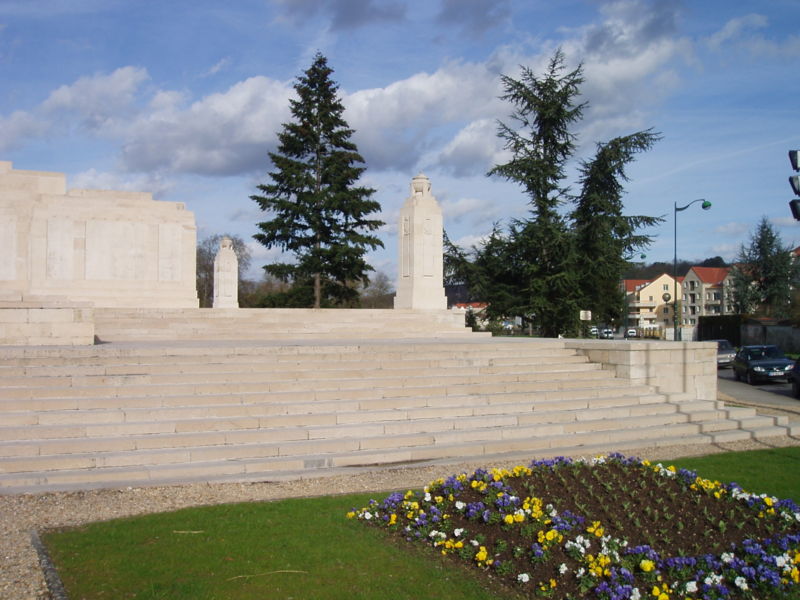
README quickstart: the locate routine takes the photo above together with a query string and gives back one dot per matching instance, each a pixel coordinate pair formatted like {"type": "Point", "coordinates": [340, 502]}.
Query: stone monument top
{"type": "Point", "coordinates": [420, 265]}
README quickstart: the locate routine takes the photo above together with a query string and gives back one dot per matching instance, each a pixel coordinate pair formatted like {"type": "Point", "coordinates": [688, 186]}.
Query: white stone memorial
{"type": "Point", "coordinates": [420, 266]}
{"type": "Point", "coordinates": [226, 276]}
{"type": "Point", "coordinates": [99, 247]}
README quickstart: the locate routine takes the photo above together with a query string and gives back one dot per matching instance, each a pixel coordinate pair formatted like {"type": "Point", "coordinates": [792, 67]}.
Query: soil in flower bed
{"type": "Point", "coordinates": [616, 528]}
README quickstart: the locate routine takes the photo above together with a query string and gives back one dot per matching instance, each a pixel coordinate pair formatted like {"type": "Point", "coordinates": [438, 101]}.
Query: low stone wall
{"type": "Point", "coordinates": [46, 325]}
{"type": "Point", "coordinates": [670, 367]}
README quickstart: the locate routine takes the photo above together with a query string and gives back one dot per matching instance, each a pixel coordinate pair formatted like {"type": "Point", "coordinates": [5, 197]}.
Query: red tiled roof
{"type": "Point", "coordinates": [712, 275]}
{"type": "Point", "coordinates": [632, 284]}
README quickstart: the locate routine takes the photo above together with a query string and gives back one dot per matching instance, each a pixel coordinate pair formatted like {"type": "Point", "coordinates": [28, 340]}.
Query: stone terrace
{"type": "Point", "coordinates": [139, 413]}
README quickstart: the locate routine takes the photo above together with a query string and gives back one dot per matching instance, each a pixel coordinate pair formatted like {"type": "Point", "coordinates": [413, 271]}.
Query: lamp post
{"type": "Point", "coordinates": [705, 206]}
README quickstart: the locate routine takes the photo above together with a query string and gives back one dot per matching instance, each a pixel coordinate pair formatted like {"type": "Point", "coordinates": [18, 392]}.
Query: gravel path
{"type": "Point", "coordinates": [21, 576]}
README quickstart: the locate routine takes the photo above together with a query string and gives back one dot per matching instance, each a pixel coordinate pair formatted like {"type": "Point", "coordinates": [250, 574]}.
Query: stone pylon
{"type": "Point", "coordinates": [420, 266]}
{"type": "Point", "coordinates": [226, 276]}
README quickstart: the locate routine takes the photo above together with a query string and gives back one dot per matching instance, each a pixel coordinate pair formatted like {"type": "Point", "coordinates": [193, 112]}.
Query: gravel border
{"type": "Point", "coordinates": [22, 577]}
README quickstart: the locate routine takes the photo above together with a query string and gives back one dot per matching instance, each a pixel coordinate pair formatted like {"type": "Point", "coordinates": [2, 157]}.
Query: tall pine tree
{"type": "Point", "coordinates": [318, 212]}
{"type": "Point", "coordinates": [764, 274]}
{"type": "Point", "coordinates": [605, 239]}
{"type": "Point", "coordinates": [541, 143]}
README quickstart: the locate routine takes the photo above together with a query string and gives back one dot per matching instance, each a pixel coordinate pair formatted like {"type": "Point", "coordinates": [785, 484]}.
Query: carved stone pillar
{"type": "Point", "coordinates": [420, 268]}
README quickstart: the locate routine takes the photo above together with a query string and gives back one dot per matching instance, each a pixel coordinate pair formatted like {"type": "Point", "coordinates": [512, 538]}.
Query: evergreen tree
{"type": "Point", "coordinates": [604, 238]}
{"type": "Point", "coordinates": [318, 212]}
{"type": "Point", "coordinates": [764, 274]}
{"type": "Point", "coordinates": [541, 144]}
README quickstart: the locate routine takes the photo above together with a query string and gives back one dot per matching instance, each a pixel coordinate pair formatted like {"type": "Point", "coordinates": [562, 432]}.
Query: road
{"type": "Point", "coordinates": [769, 396]}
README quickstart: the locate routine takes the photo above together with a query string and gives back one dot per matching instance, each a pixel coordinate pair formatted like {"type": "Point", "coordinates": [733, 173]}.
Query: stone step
{"type": "Point", "coordinates": [211, 374]}
{"type": "Point", "coordinates": [353, 387]}
{"type": "Point", "coordinates": [440, 354]}
{"type": "Point", "coordinates": [127, 420]}
{"type": "Point", "coordinates": [278, 467]}
{"type": "Point", "coordinates": [421, 446]}
{"type": "Point", "coordinates": [245, 364]}
{"type": "Point", "coordinates": [80, 431]}
{"type": "Point", "coordinates": [309, 402]}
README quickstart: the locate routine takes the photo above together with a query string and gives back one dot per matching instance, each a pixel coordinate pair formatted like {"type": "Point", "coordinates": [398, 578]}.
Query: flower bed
{"type": "Point", "coordinates": [613, 528]}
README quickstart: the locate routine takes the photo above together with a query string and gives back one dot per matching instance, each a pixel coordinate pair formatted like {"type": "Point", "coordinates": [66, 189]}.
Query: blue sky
{"type": "Point", "coordinates": [184, 99]}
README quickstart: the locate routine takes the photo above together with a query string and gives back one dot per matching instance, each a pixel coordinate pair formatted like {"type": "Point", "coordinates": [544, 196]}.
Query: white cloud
{"type": "Point", "coordinates": [92, 179]}
{"type": "Point", "coordinates": [474, 149]}
{"type": "Point", "coordinates": [216, 68]}
{"type": "Point", "coordinates": [743, 34]}
{"type": "Point", "coordinates": [467, 242]}
{"type": "Point", "coordinates": [224, 133]}
{"type": "Point", "coordinates": [472, 210]}
{"type": "Point", "coordinates": [727, 251]}
{"type": "Point", "coordinates": [736, 28]}
{"type": "Point", "coordinates": [102, 101]}
{"type": "Point", "coordinates": [19, 127]}
{"type": "Point", "coordinates": [394, 124]}
{"type": "Point", "coordinates": [732, 229]}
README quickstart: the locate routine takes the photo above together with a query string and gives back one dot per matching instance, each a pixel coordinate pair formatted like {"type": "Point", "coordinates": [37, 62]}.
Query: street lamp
{"type": "Point", "coordinates": [705, 206]}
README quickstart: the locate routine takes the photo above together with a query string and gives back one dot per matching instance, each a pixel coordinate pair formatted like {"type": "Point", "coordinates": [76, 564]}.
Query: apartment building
{"type": "Point", "coordinates": [706, 291]}
{"type": "Point", "coordinates": [649, 303]}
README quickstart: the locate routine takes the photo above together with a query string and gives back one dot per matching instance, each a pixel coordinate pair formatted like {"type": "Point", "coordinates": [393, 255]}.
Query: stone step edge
{"type": "Point", "coordinates": [188, 428]}
{"type": "Point", "coordinates": [297, 374]}
{"type": "Point", "coordinates": [375, 441]}
{"type": "Point", "coordinates": [643, 437]}
{"type": "Point", "coordinates": [338, 409]}
{"type": "Point", "coordinates": [509, 346]}
{"type": "Point", "coordinates": [316, 391]}
{"type": "Point", "coordinates": [314, 398]}
{"type": "Point", "coordinates": [249, 471]}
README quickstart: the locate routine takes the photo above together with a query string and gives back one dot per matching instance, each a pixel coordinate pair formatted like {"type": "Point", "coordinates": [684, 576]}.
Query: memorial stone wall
{"type": "Point", "coordinates": [109, 249]}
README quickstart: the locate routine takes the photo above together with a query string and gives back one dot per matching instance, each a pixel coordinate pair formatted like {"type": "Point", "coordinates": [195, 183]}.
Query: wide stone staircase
{"type": "Point", "coordinates": [290, 324]}
{"type": "Point", "coordinates": [121, 414]}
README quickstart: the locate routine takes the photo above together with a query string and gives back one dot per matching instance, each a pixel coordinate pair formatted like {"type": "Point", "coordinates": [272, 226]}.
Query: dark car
{"type": "Point", "coordinates": [725, 353]}
{"type": "Point", "coordinates": [794, 379]}
{"type": "Point", "coordinates": [761, 363]}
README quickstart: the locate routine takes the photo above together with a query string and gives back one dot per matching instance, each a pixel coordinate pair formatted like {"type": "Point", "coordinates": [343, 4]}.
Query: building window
{"type": "Point", "coordinates": [666, 310]}
{"type": "Point", "coordinates": [666, 287]}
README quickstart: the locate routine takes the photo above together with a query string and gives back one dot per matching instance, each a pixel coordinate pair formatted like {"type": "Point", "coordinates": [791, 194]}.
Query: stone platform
{"type": "Point", "coordinates": [144, 413]}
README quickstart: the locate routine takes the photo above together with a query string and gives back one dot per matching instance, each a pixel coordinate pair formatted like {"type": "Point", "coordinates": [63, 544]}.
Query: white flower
{"type": "Point", "coordinates": [691, 587]}
{"type": "Point", "coordinates": [460, 505]}
{"type": "Point", "coordinates": [562, 568]}
{"type": "Point", "coordinates": [727, 557]}
{"type": "Point", "coordinates": [458, 532]}
{"type": "Point", "coordinates": [523, 578]}
{"type": "Point", "coordinates": [780, 561]}
{"type": "Point", "coordinates": [474, 543]}
{"type": "Point", "coordinates": [741, 583]}
{"type": "Point", "coordinates": [427, 497]}
{"type": "Point", "coordinates": [713, 579]}
{"type": "Point", "coordinates": [580, 572]}
{"type": "Point", "coordinates": [636, 594]}
{"type": "Point", "coordinates": [367, 515]}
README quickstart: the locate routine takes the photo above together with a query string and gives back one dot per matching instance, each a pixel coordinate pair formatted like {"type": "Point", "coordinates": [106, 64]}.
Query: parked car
{"type": "Point", "coordinates": [794, 379]}
{"type": "Point", "coordinates": [607, 334]}
{"type": "Point", "coordinates": [631, 333]}
{"type": "Point", "coordinates": [761, 363]}
{"type": "Point", "coordinates": [593, 330]}
{"type": "Point", "coordinates": [725, 353]}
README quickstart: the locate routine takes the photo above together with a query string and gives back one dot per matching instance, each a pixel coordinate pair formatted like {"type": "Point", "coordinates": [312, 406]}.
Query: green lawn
{"type": "Point", "coordinates": [305, 548]}
{"type": "Point", "coordinates": [774, 471]}
{"type": "Point", "coordinates": [299, 549]}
